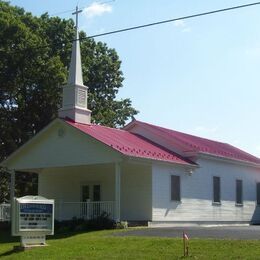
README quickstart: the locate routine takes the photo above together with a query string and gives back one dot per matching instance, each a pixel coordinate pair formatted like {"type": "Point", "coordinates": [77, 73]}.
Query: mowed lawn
{"type": "Point", "coordinates": [103, 245]}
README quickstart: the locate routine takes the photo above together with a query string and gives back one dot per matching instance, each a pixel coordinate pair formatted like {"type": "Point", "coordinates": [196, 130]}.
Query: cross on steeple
{"type": "Point", "coordinates": [75, 71]}
{"type": "Point", "coordinates": [77, 15]}
{"type": "Point", "coordinates": [75, 93]}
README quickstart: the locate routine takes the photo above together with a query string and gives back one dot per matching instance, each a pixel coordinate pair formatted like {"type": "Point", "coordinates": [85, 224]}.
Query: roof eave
{"type": "Point", "coordinates": [229, 160]}
{"type": "Point", "coordinates": [151, 160]}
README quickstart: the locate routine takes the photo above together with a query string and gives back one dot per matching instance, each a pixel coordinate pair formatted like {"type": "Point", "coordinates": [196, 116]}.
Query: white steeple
{"type": "Point", "coordinates": [74, 98]}
{"type": "Point", "coordinates": [75, 71]}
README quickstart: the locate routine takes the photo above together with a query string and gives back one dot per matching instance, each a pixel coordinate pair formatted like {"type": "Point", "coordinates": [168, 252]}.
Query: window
{"type": "Point", "coordinates": [96, 193]}
{"type": "Point", "coordinates": [239, 192]}
{"type": "Point", "coordinates": [85, 193]}
{"type": "Point", "coordinates": [175, 188]}
{"type": "Point", "coordinates": [216, 189]}
{"type": "Point", "coordinates": [258, 193]}
{"type": "Point", "coordinates": [90, 192]}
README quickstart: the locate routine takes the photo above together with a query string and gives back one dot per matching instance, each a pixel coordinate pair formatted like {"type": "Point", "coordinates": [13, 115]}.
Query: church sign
{"type": "Point", "coordinates": [33, 219]}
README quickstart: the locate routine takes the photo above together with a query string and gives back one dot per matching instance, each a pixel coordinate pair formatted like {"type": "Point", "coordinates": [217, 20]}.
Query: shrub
{"type": "Point", "coordinates": [121, 225]}
{"type": "Point", "coordinates": [5, 226]}
{"type": "Point", "coordinates": [101, 222]}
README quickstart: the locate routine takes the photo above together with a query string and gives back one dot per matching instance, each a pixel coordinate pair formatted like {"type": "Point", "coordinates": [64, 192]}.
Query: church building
{"type": "Point", "coordinates": [142, 172]}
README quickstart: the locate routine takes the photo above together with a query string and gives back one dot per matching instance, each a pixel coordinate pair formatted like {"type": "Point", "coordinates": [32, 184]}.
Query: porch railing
{"type": "Point", "coordinates": [69, 210]}
{"type": "Point", "coordinates": [5, 212]}
{"type": "Point", "coordinates": [86, 210]}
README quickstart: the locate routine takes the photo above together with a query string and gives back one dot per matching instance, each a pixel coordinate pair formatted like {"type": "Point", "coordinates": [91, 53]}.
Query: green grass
{"type": "Point", "coordinates": [103, 245]}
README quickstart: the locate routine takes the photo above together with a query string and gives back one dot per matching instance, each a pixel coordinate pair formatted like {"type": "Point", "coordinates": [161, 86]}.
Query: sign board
{"type": "Point", "coordinates": [33, 219]}
{"type": "Point", "coordinates": [35, 216]}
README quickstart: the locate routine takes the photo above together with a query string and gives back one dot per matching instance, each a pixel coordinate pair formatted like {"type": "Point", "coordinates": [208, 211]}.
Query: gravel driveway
{"type": "Point", "coordinates": [219, 232]}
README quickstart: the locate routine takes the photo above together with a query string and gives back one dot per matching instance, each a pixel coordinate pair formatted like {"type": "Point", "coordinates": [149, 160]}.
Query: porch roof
{"type": "Point", "coordinates": [129, 144]}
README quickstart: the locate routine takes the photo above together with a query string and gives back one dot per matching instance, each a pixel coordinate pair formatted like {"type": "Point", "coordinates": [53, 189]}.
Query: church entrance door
{"type": "Point", "coordinates": [91, 196]}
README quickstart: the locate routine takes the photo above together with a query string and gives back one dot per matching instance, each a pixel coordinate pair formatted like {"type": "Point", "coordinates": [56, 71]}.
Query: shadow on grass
{"type": "Point", "coordinates": [10, 252]}
{"type": "Point", "coordinates": [5, 238]}
{"type": "Point", "coordinates": [5, 235]}
{"type": "Point", "coordinates": [68, 234]}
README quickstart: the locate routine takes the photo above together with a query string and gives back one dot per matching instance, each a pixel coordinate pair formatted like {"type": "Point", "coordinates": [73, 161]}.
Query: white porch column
{"type": "Point", "coordinates": [12, 196]}
{"type": "Point", "coordinates": [117, 190]}
{"type": "Point", "coordinates": [12, 186]}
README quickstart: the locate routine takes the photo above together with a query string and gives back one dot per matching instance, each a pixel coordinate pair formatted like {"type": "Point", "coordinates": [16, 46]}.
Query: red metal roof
{"type": "Point", "coordinates": [198, 144]}
{"type": "Point", "coordinates": [129, 144]}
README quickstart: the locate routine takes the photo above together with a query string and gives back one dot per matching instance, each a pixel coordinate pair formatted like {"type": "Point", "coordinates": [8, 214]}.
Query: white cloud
{"type": "Point", "coordinates": [182, 25]}
{"type": "Point", "coordinates": [187, 29]}
{"type": "Point", "coordinates": [97, 9]}
{"type": "Point", "coordinates": [254, 52]}
{"type": "Point", "coordinates": [179, 23]}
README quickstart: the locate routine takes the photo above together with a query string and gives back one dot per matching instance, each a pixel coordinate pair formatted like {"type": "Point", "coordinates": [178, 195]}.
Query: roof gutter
{"type": "Point", "coordinates": [228, 160]}
{"type": "Point", "coordinates": [150, 160]}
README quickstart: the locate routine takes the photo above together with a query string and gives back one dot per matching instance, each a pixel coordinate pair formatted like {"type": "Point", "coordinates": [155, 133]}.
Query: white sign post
{"type": "Point", "coordinates": [33, 219]}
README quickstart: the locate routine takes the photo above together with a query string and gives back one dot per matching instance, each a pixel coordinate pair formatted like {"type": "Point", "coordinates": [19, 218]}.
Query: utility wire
{"type": "Point", "coordinates": [150, 24]}
{"type": "Point", "coordinates": [173, 20]}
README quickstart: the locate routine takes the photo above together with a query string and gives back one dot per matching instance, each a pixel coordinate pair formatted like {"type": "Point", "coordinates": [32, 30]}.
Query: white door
{"type": "Point", "coordinates": [90, 193]}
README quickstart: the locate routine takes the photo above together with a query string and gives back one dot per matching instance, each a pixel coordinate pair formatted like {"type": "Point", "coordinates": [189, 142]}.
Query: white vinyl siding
{"type": "Point", "coordinates": [197, 193]}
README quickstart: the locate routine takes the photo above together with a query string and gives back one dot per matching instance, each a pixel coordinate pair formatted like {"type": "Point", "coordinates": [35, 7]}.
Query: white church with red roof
{"type": "Point", "coordinates": [140, 173]}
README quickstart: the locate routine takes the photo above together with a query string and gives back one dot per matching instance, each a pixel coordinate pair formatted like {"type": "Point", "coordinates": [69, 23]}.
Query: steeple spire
{"type": "Point", "coordinates": [75, 71]}
{"type": "Point", "coordinates": [74, 103]}
{"type": "Point", "coordinates": [77, 16]}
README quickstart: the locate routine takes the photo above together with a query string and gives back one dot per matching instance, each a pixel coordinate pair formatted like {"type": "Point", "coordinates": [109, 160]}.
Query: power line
{"type": "Point", "coordinates": [150, 24]}
{"type": "Point", "coordinates": [173, 20]}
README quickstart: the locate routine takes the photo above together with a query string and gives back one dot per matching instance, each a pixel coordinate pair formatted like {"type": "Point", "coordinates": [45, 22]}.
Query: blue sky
{"type": "Point", "coordinates": [200, 76]}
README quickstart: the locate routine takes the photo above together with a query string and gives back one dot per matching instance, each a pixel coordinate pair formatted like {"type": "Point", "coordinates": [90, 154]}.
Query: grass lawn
{"type": "Point", "coordinates": [102, 245]}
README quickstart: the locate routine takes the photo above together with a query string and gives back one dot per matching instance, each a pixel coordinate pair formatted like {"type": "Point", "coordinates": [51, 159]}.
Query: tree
{"type": "Point", "coordinates": [4, 186]}
{"type": "Point", "coordinates": [30, 79]}
{"type": "Point", "coordinates": [35, 56]}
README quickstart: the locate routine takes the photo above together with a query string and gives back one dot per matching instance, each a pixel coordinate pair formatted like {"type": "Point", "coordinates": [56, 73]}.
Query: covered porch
{"type": "Point", "coordinates": [84, 192]}
{"type": "Point", "coordinates": [119, 191]}
{"type": "Point", "coordinates": [122, 191]}
{"type": "Point", "coordinates": [86, 177]}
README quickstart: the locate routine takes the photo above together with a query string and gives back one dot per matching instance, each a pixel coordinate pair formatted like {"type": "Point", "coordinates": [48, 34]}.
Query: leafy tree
{"type": "Point", "coordinates": [4, 186]}
{"type": "Point", "coordinates": [30, 79]}
{"type": "Point", "coordinates": [35, 56]}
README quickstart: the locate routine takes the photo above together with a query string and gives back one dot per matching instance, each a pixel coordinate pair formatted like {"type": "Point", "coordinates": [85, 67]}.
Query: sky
{"type": "Point", "coordinates": [199, 76]}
